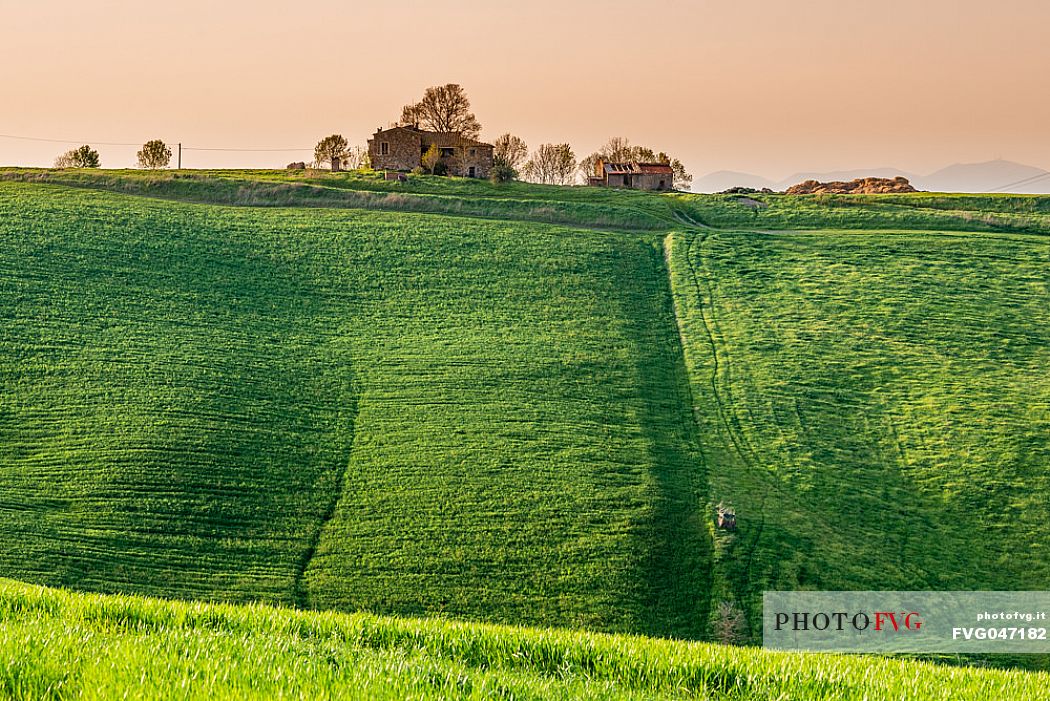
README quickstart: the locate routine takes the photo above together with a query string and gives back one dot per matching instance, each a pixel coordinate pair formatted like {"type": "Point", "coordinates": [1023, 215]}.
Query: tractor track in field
{"type": "Point", "coordinates": [767, 488]}
{"type": "Point", "coordinates": [706, 301]}
{"type": "Point", "coordinates": [300, 595]}
{"type": "Point", "coordinates": [706, 298]}
{"type": "Point", "coordinates": [748, 461]}
{"type": "Point", "coordinates": [687, 395]}
{"type": "Point", "coordinates": [747, 455]}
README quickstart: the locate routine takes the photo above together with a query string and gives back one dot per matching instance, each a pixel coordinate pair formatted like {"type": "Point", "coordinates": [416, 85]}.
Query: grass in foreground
{"type": "Point", "coordinates": [59, 645]}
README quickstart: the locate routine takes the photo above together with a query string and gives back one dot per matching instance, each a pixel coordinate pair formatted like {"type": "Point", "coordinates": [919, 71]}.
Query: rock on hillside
{"type": "Point", "coordinates": [860, 186]}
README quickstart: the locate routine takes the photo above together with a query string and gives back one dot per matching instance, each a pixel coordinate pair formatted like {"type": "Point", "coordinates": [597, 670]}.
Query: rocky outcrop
{"type": "Point", "coordinates": [861, 186]}
{"type": "Point", "coordinates": [746, 191]}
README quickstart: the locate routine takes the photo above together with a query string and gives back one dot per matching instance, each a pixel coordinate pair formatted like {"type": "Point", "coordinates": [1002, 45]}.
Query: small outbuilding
{"type": "Point", "coordinates": [633, 175]}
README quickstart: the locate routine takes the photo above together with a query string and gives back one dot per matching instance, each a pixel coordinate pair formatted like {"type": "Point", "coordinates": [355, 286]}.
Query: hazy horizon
{"type": "Point", "coordinates": [771, 89]}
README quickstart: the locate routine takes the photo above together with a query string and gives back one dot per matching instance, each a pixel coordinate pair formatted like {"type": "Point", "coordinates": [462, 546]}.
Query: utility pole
{"type": "Point", "coordinates": [180, 155]}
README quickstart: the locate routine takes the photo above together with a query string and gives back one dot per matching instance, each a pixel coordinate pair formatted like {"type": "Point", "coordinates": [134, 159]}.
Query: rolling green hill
{"type": "Point", "coordinates": [390, 412]}
{"type": "Point", "coordinates": [875, 405]}
{"type": "Point", "coordinates": [58, 645]}
{"type": "Point", "coordinates": [591, 208]}
{"type": "Point", "coordinates": [519, 404]}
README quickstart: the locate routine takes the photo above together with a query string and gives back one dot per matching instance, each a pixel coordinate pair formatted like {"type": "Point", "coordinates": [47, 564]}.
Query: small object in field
{"type": "Point", "coordinates": [726, 519]}
{"type": "Point", "coordinates": [395, 175]}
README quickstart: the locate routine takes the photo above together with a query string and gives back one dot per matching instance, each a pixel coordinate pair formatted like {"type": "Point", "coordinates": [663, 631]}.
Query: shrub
{"type": "Point", "coordinates": [502, 172]}
{"type": "Point", "coordinates": [729, 626]}
{"type": "Point", "coordinates": [432, 159]}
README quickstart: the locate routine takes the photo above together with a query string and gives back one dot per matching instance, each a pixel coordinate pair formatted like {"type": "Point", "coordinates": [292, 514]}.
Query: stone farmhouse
{"type": "Point", "coordinates": [634, 175]}
{"type": "Point", "coordinates": [402, 149]}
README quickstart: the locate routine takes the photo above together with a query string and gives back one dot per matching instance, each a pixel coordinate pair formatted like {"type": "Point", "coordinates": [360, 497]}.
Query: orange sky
{"type": "Point", "coordinates": [764, 87]}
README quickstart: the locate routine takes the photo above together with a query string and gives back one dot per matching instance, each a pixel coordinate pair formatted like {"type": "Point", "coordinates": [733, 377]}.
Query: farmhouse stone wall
{"type": "Point", "coordinates": [651, 181]}
{"type": "Point", "coordinates": [637, 181]}
{"type": "Point", "coordinates": [402, 148]}
{"type": "Point", "coordinates": [469, 155]}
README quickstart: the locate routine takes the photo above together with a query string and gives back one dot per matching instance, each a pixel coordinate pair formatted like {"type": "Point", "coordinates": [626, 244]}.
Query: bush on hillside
{"type": "Point", "coordinates": [502, 172]}
{"type": "Point", "coordinates": [83, 157]}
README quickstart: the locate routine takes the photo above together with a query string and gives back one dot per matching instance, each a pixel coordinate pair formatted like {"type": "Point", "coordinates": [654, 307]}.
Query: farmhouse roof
{"type": "Point", "coordinates": [635, 167]}
{"type": "Point", "coordinates": [437, 137]}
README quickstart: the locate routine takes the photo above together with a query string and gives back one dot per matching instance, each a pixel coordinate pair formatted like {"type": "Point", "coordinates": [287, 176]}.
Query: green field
{"type": "Point", "coordinates": [58, 645]}
{"type": "Point", "coordinates": [875, 405]}
{"type": "Point", "coordinates": [390, 412]}
{"type": "Point", "coordinates": [513, 404]}
{"type": "Point", "coordinates": [590, 208]}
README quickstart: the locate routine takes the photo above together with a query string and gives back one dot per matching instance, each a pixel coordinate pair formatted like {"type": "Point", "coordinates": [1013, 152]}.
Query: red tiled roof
{"type": "Point", "coordinates": [655, 168]}
{"type": "Point", "coordinates": [638, 169]}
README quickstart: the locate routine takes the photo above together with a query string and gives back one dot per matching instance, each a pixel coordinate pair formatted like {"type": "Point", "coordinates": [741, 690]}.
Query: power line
{"type": "Point", "coordinates": [115, 143]}
{"type": "Point", "coordinates": [65, 141]}
{"type": "Point", "coordinates": [1025, 181]}
{"type": "Point", "coordinates": [1030, 180]}
{"type": "Point", "coordinates": [248, 150]}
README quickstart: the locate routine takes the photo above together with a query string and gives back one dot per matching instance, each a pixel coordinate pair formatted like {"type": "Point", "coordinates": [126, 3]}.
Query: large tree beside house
{"type": "Point", "coordinates": [445, 109]}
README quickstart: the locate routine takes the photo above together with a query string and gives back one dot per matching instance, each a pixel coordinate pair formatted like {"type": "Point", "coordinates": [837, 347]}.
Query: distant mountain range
{"type": "Point", "coordinates": [991, 176]}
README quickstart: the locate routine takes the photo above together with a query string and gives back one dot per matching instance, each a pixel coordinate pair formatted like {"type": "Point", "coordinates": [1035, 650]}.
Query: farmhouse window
{"type": "Point", "coordinates": [473, 152]}
{"type": "Point", "coordinates": [448, 152]}
{"type": "Point", "coordinates": [384, 149]}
